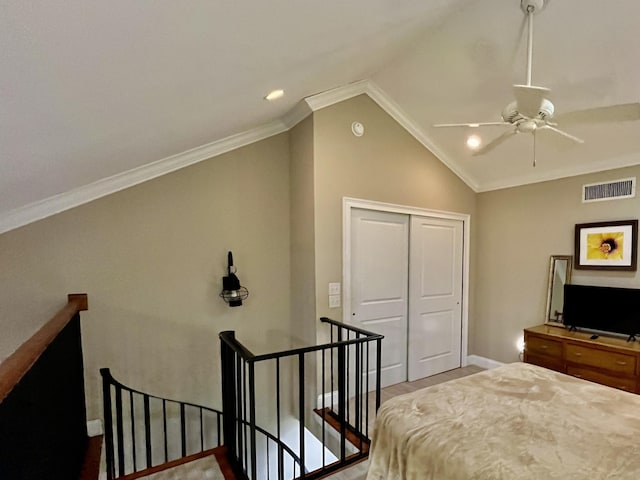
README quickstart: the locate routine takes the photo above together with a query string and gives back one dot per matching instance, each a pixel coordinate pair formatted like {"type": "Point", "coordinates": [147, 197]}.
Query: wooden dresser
{"type": "Point", "coordinates": [606, 360]}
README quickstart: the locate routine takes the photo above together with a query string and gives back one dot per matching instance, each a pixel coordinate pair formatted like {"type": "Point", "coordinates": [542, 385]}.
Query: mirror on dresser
{"type": "Point", "coordinates": [559, 275]}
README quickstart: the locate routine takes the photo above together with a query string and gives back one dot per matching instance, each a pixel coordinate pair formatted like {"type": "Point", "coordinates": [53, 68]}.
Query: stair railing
{"type": "Point", "coordinates": [346, 372]}
{"type": "Point", "coordinates": [144, 433]}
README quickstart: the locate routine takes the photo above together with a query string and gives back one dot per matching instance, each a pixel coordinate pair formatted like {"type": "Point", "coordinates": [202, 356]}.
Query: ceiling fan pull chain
{"type": "Point", "coordinates": [534, 148]}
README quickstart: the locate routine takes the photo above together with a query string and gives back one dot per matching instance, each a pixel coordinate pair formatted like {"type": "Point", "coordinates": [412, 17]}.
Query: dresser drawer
{"type": "Point", "coordinates": [545, 361]}
{"type": "Point", "coordinates": [542, 346]}
{"type": "Point", "coordinates": [612, 361]}
{"type": "Point", "coordinates": [627, 384]}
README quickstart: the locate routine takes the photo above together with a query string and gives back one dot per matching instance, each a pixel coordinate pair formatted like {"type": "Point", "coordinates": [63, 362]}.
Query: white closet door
{"type": "Point", "coordinates": [379, 277]}
{"type": "Point", "coordinates": [435, 296]}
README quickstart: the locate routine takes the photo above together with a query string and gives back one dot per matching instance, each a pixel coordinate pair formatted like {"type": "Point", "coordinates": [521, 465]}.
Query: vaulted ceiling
{"type": "Point", "coordinates": [97, 96]}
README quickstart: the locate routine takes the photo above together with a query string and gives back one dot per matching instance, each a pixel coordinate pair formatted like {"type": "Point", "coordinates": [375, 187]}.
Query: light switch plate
{"type": "Point", "coordinates": [334, 288]}
{"type": "Point", "coordinates": [334, 301]}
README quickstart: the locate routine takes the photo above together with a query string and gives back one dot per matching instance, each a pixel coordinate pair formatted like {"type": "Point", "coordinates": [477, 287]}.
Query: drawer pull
{"type": "Point", "coordinates": [577, 354]}
{"type": "Point", "coordinates": [578, 376]}
{"type": "Point", "coordinates": [544, 347]}
{"type": "Point", "coordinates": [621, 363]}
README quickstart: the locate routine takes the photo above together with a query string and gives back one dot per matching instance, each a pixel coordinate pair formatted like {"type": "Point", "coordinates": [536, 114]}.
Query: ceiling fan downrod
{"type": "Point", "coordinates": [530, 7]}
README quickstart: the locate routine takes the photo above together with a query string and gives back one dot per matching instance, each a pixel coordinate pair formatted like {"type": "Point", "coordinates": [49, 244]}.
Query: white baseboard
{"type": "Point", "coordinates": [94, 428]}
{"type": "Point", "coordinates": [483, 362]}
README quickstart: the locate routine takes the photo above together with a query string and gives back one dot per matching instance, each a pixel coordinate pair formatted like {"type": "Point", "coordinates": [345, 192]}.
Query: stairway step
{"type": "Point", "coordinates": [354, 437]}
{"type": "Point", "coordinates": [175, 463]}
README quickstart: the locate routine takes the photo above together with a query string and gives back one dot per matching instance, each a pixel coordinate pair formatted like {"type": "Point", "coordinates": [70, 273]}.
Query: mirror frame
{"type": "Point", "coordinates": [552, 264]}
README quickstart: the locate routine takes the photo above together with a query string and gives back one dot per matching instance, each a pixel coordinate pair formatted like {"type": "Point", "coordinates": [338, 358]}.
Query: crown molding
{"type": "Point", "coordinates": [78, 196]}
{"type": "Point", "coordinates": [64, 201]}
{"type": "Point", "coordinates": [299, 112]}
{"type": "Point", "coordinates": [337, 95]}
{"type": "Point", "coordinates": [624, 161]}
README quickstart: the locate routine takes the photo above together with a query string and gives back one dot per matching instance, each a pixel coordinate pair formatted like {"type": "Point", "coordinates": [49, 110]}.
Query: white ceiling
{"type": "Point", "coordinates": [96, 95]}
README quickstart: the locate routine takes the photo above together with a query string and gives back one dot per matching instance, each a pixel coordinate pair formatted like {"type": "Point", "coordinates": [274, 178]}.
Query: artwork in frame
{"type": "Point", "coordinates": [606, 245]}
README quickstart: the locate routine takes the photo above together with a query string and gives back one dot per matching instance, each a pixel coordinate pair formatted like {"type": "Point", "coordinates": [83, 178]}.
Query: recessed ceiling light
{"type": "Point", "coordinates": [274, 95]}
{"type": "Point", "coordinates": [473, 142]}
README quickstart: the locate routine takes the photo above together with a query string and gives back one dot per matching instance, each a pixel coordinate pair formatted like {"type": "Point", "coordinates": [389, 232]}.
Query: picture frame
{"type": "Point", "coordinates": [609, 245]}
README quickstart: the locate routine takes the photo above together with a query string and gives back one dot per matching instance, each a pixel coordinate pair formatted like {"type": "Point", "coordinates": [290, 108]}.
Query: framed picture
{"type": "Point", "coordinates": [606, 245]}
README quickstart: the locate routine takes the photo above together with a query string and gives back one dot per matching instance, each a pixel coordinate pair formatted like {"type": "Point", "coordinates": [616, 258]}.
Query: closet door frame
{"type": "Point", "coordinates": [349, 203]}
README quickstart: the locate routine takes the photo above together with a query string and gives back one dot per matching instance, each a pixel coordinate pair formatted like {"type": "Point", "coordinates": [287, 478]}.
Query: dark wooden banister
{"type": "Point", "coordinates": [16, 365]}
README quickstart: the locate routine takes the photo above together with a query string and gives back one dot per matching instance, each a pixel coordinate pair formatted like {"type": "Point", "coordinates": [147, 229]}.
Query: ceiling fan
{"type": "Point", "coordinates": [532, 110]}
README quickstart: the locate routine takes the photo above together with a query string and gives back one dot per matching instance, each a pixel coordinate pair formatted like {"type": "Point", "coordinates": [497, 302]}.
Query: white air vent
{"type": "Point", "coordinates": [596, 192]}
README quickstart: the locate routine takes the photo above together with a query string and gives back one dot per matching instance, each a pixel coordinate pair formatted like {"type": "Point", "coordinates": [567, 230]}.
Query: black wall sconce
{"type": "Point", "coordinates": [232, 292]}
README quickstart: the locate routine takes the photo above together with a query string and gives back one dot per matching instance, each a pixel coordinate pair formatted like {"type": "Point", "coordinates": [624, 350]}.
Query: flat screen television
{"type": "Point", "coordinates": [605, 309]}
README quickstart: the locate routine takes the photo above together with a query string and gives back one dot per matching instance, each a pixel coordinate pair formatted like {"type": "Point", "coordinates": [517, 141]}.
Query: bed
{"type": "Point", "coordinates": [515, 422]}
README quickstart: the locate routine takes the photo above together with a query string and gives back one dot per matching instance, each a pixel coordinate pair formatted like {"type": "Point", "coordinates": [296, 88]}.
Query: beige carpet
{"type": "Point", "coordinates": [202, 469]}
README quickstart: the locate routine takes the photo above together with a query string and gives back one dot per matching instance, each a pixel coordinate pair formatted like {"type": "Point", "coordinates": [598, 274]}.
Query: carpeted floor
{"type": "Point", "coordinates": [202, 469]}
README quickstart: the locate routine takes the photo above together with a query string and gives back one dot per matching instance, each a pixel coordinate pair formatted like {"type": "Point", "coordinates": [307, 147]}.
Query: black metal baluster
{"type": "Point", "coordinates": [325, 413]}
{"type": "Point", "coordinates": [331, 328]}
{"type": "Point", "coordinates": [239, 410]}
{"type": "Point", "coordinates": [378, 366]}
{"type": "Point", "coordinates": [348, 384]}
{"type": "Point", "coordinates": [133, 432]}
{"type": "Point", "coordinates": [244, 416]}
{"type": "Point", "coordinates": [280, 451]}
{"type": "Point", "coordinates": [108, 423]}
{"type": "Point", "coordinates": [301, 413]}
{"type": "Point", "coordinates": [228, 399]}
{"type": "Point", "coordinates": [201, 432]}
{"type": "Point", "coordinates": [252, 419]}
{"type": "Point", "coordinates": [357, 376]}
{"type": "Point", "coordinates": [183, 431]}
{"type": "Point", "coordinates": [366, 426]}
{"type": "Point", "coordinates": [218, 429]}
{"type": "Point", "coordinates": [119, 430]}
{"type": "Point", "coordinates": [147, 430]}
{"type": "Point", "coordinates": [341, 398]}
{"type": "Point", "coordinates": [164, 430]}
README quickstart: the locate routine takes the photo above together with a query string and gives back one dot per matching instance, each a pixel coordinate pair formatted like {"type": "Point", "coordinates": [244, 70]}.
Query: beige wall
{"type": "Point", "coordinates": [151, 259]}
{"type": "Point", "coordinates": [386, 164]}
{"type": "Point", "coordinates": [303, 306]}
{"type": "Point", "coordinates": [518, 230]}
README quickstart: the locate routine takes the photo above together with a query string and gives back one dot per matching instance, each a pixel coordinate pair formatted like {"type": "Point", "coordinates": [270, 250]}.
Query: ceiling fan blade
{"type": "Point", "coordinates": [613, 113]}
{"type": "Point", "coordinates": [564, 134]}
{"type": "Point", "coordinates": [470, 125]}
{"type": "Point", "coordinates": [529, 99]}
{"type": "Point", "coordinates": [494, 143]}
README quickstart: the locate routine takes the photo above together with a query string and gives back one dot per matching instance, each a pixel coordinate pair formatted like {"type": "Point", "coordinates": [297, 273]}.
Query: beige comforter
{"type": "Point", "coordinates": [518, 421]}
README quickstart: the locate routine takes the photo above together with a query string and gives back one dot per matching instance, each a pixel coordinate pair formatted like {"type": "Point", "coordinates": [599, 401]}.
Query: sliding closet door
{"type": "Point", "coordinates": [435, 296]}
{"type": "Point", "coordinates": [379, 275]}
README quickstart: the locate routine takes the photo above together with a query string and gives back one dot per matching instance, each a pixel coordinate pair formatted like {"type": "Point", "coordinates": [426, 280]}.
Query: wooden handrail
{"type": "Point", "coordinates": [16, 365]}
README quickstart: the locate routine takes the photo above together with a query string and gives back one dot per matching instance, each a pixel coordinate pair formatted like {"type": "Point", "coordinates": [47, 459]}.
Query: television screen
{"type": "Point", "coordinates": [607, 309]}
